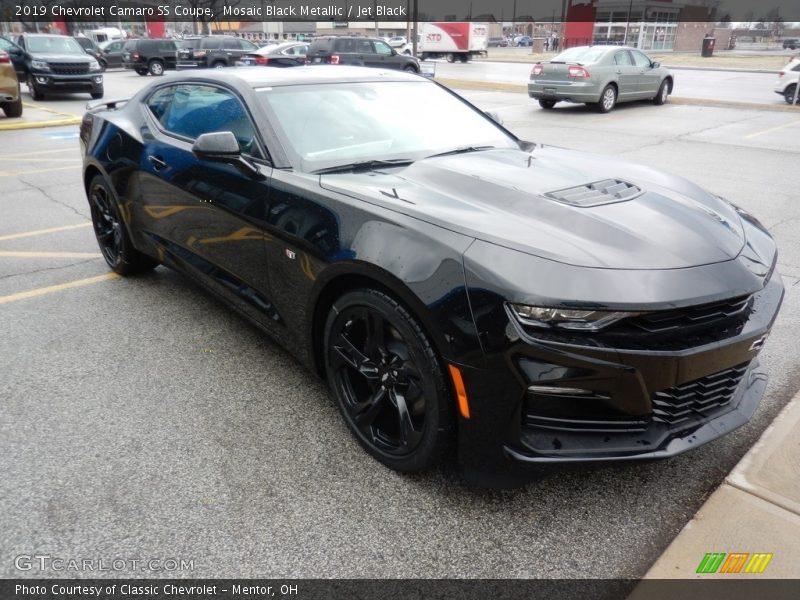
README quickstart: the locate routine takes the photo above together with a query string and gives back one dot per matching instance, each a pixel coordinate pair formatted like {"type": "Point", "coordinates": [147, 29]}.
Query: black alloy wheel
{"type": "Point", "coordinates": [115, 246]}
{"type": "Point", "coordinates": [387, 380]}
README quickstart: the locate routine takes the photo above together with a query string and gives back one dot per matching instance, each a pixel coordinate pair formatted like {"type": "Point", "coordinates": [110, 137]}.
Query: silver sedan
{"type": "Point", "coordinates": [600, 76]}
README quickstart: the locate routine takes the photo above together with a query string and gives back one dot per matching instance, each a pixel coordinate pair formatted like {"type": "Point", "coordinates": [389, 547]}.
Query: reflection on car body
{"type": "Point", "coordinates": [455, 285]}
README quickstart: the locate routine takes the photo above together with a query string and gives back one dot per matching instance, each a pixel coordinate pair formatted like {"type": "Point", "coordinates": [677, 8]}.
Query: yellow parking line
{"type": "Point", "coordinates": [39, 124]}
{"type": "Point", "coordinates": [57, 288]}
{"type": "Point", "coordinates": [24, 234]}
{"type": "Point", "coordinates": [50, 110]}
{"type": "Point", "coordinates": [784, 126]}
{"type": "Point", "coordinates": [15, 173]}
{"type": "Point", "coordinates": [24, 254]}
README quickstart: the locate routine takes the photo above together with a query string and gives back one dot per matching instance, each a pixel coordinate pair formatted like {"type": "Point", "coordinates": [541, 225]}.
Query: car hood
{"type": "Point", "coordinates": [62, 58]}
{"type": "Point", "coordinates": [500, 196]}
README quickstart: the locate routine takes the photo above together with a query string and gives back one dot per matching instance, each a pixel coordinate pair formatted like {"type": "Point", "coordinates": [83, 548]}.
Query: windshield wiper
{"type": "Point", "coordinates": [462, 150]}
{"type": "Point", "coordinates": [364, 165]}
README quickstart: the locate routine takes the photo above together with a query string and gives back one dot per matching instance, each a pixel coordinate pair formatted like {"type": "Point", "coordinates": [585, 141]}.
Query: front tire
{"type": "Point", "coordinates": [112, 237]}
{"type": "Point", "coordinates": [387, 381]}
{"type": "Point", "coordinates": [451, 58]}
{"type": "Point", "coordinates": [608, 99]}
{"type": "Point", "coordinates": [410, 69]}
{"type": "Point", "coordinates": [219, 65]}
{"type": "Point", "coordinates": [547, 104]}
{"type": "Point", "coordinates": [142, 72]}
{"type": "Point", "coordinates": [36, 93]}
{"type": "Point", "coordinates": [663, 93]}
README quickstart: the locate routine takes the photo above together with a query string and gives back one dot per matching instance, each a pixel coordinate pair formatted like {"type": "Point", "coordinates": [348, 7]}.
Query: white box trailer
{"type": "Point", "coordinates": [454, 41]}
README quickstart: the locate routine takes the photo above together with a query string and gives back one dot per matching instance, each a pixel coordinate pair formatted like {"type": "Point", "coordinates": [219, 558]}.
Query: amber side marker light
{"type": "Point", "coordinates": [461, 392]}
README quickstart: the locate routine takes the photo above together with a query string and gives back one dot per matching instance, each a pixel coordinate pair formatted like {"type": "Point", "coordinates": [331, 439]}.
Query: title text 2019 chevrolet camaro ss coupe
{"type": "Point", "coordinates": [456, 286]}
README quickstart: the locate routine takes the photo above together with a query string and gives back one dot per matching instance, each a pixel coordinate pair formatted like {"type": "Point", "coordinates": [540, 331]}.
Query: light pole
{"type": "Point", "coordinates": [627, 23]}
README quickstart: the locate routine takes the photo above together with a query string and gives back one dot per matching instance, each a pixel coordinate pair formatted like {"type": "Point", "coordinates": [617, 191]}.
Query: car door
{"type": "Point", "coordinates": [627, 75]}
{"type": "Point", "coordinates": [208, 216]}
{"type": "Point", "coordinates": [389, 58]}
{"type": "Point", "coordinates": [112, 54]}
{"type": "Point", "coordinates": [649, 78]}
{"type": "Point", "coordinates": [295, 55]}
{"type": "Point", "coordinates": [366, 51]}
{"type": "Point", "coordinates": [17, 56]}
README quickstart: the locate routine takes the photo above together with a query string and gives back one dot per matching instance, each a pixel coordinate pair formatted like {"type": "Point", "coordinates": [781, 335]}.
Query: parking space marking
{"type": "Point", "coordinates": [24, 234]}
{"type": "Point", "coordinates": [35, 293]}
{"type": "Point", "coordinates": [37, 152]}
{"type": "Point", "coordinates": [29, 254]}
{"type": "Point", "coordinates": [784, 126]}
{"type": "Point", "coordinates": [39, 124]}
{"type": "Point", "coordinates": [15, 173]}
{"type": "Point", "coordinates": [24, 159]}
{"type": "Point", "coordinates": [50, 110]}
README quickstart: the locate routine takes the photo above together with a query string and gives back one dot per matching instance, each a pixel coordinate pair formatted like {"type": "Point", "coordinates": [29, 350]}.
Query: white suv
{"type": "Point", "coordinates": [787, 81]}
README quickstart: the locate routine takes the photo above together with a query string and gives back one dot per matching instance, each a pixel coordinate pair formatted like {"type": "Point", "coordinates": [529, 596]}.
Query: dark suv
{"type": "Point", "coordinates": [57, 63]}
{"type": "Point", "coordinates": [215, 51]}
{"type": "Point", "coordinates": [152, 56]}
{"type": "Point", "coordinates": [360, 51]}
{"type": "Point", "coordinates": [792, 43]}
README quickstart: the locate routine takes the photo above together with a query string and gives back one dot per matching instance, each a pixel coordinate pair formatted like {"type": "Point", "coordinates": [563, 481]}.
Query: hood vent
{"type": "Point", "coordinates": [607, 191]}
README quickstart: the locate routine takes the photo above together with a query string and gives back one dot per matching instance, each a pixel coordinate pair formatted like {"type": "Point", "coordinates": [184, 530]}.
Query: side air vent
{"type": "Point", "coordinates": [607, 191]}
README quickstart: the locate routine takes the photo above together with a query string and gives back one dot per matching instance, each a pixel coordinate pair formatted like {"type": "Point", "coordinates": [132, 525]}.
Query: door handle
{"type": "Point", "coordinates": [619, 71]}
{"type": "Point", "coordinates": [157, 163]}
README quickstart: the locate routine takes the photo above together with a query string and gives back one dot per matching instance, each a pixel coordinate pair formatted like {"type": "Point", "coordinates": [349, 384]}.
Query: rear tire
{"type": "Point", "coordinates": [547, 104]}
{"type": "Point", "coordinates": [219, 65]}
{"type": "Point", "coordinates": [608, 99]}
{"type": "Point", "coordinates": [464, 58]}
{"type": "Point", "coordinates": [788, 94]}
{"type": "Point", "coordinates": [13, 109]}
{"type": "Point", "coordinates": [142, 72]}
{"type": "Point", "coordinates": [451, 58]}
{"type": "Point", "coordinates": [111, 233]}
{"type": "Point", "coordinates": [662, 95]}
{"type": "Point", "coordinates": [156, 68]}
{"type": "Point", "coordinates": [387, 381]}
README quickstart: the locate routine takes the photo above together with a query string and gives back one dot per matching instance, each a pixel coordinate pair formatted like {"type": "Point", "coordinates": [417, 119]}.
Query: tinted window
{"type": "Point", "coordinates": [191, 43]}
{"type": "Point", "coordinates": [166, 46]}
{"type": "Point", "coordinates": [364, 47]}
{"type": "Point", "coordinates": [383, 48]}
{"type": "Point", "coordinates": [192, 110]}
{"type": "Point", "coordinates": [623, 58]}
{"type": "Point", "coordinates": [584, 54]}
{"type": "Point", "coordinates": [211, 44]}
{"type": "Point", "coordinates": [248, 46]}
{"type": "Point", "coordinates": [130, 46]}
{"type": "Point", "coordinates": [231, 44]}
{"type": "Point", "coordinates": [640, 59]}
{"type": "Point", "coordinates": [345, 45]}
{"type": "Point", "coordinates": [54, 45]}
{"type": "Point", "coordinates": [6, 45]}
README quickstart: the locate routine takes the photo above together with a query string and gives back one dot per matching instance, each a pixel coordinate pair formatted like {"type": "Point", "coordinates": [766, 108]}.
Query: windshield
{"type": "Point", "coordinates": [585, 55]}
{"type": "Point", "coordinates": [336, 124]}
{"type": "Point", "coordinates": [53, 45]}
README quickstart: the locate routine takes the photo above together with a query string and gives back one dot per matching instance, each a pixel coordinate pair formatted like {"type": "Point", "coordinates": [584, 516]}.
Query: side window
{"type": "Point", "coordinates": [159, 103]}
{"type": "Point", "coordinates": [197, 109]}
{"type": "Point", "coordinates": [623, 59]}
{"type": "Point", "coordinates": [383, 48]}
{"type": "Point", "coordinates": [345, 45]}
{"type": "Point", "coordinates": [211, 44]}
{"type": "Point", "coordinates": [640, 59]}
{"type": "Point", "coordinates": [364, 47]}
{"type": "Point", "coordinates": [231, 44]}
{"type": "Point", "coordinates": [166, 47]}
{"type": "Point", "coordinates": [5, 45]}
{"type": "Point", "coordinates": [248, 46]}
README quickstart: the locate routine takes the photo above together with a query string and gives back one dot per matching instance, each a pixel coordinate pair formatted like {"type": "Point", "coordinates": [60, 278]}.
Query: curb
{"type": "Point", "coordinates": [680, 100]}
{"type": "Point", "coordinates": [67, 119]}
{"type": "Point", "coordinates": [755, 509]}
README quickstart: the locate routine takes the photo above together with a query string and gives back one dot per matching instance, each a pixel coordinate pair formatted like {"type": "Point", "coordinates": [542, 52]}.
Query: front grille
{"type": "Point", "coordinates": [698, 398]}
{"type": "Point", "coordinates": [692, 316]}
{"type": "Point", "coordinates": [69, 68]}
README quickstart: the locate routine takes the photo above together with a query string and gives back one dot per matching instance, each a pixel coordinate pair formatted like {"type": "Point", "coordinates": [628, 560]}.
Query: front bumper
{"type": "Point", "coordinates": [639, 403]}
{"type": "Point", "coordinates": [569, 91]}
{"type": "Point", "coordinates": [93, 82]}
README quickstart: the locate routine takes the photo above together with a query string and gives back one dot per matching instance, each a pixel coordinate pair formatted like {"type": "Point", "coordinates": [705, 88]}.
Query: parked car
{"type": "Point", "coordinates": [397, 41]}
{"type": "Point", "coordinates": [456, 286]}
{"type": "Point", "coordinates": [152, 56]}
{"type": "Point", "coordinates": [792, 43]}
{"type": "Point", "coordinates": [290, 54]}
{"type": "Point", "coordinates": [57, 63]}
{"type": "Point", "coordinates": [10, 97]}
{"type": "Point", "coordinates": [91, 49]}
{"type": "Point", "coordinates": [112, 52]}
{"type": "Point", "coordinates": [787, 81]}
{"type": "Point", "coordinates": [215, 51]}
{"type": "Point", "coordinates": [523, 40]}
{"type": "Point", "coordinates": [600, 76]}
{"type": "Point", "coordinates": [359, 51]}
{"type": "Point", "coordinates": [498, 42]}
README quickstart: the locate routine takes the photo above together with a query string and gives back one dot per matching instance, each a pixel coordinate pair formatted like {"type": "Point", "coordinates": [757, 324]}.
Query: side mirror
{"type": "Point", "coordinates": [494, 116]}
{"type": "Point", "coordinates": [655, 65]}
{"type": "Point", "coordinates": [394, 52]}
{"type": "Point", "coordinates": [222, 147]}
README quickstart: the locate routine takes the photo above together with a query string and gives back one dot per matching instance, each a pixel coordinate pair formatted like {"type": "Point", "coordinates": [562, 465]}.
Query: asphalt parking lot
{"type": "Point", "coordinates": [141, 419]}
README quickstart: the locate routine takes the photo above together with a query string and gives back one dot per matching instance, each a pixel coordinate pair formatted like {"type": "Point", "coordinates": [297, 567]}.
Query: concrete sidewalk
{"type": "Point", "coordinates": [755, 510]}
{"type": "Point", "coordinates": [36, 116]}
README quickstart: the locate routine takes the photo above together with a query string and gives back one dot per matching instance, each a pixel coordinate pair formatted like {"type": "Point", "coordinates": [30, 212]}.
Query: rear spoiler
{"type": "Point", "coordinates": [98, 105]}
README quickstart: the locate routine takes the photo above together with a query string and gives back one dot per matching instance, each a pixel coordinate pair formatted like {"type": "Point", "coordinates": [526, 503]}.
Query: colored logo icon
{"type": "Point", "coordinates": [735, 562]}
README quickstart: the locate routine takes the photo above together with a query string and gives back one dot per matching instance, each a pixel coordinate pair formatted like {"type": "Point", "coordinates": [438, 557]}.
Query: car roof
{"type": "Point", "coordinates": [45, 35]}
{"type": "Point", "coordinates": [259, 78]}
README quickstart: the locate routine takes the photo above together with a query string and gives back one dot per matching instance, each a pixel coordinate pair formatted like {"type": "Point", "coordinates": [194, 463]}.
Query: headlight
{"type": "Point", "coordinates": [94, 66]}
{"type": "Point", "coordinates": [562, 318]}
{"type": "Point", "coordinates": [40, 65]}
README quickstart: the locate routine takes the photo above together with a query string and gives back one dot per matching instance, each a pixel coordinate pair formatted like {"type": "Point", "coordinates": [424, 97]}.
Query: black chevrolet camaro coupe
{"type": "Point", "coordinates": [459, 288]}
